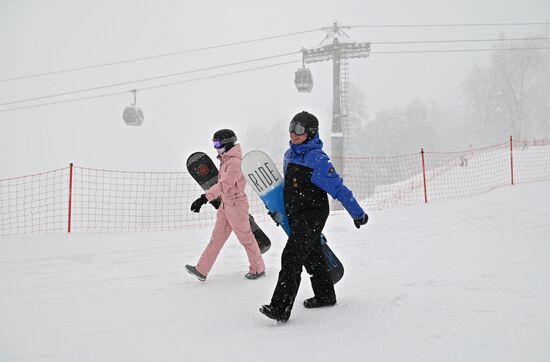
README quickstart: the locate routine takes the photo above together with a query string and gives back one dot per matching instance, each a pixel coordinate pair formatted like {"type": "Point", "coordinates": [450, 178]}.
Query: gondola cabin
{"type": "Point", "coordinates": [303, 80]}
{"type": "Point", "coordinates": [133, 116]}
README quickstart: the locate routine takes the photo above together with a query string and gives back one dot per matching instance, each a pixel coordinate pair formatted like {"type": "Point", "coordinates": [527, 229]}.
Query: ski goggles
{"type": "Point", "coordinates": [219, 144]}
{"type": "Point", "coordinates": [297, 128]}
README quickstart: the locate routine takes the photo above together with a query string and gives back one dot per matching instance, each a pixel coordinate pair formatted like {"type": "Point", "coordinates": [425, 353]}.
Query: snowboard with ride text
{"type": "Point", "coordinates": [262, 175]}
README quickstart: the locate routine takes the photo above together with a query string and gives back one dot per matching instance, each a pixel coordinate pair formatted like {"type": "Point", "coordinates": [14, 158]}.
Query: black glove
{"type": "Point", "coordinates": [196, 205]}
{"type": "Point", "coordinates": [276, 217]}
{"type": "Point", "coordinates": [361, 221]}
{"type": "Point", "coordinates": [216, 203]}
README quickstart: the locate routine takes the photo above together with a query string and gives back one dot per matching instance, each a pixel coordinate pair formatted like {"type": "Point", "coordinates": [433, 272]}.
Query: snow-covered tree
{"type": "Point", "coordinates": [356, 118]}
{"type": "Point", "coordinates": [510, 96]}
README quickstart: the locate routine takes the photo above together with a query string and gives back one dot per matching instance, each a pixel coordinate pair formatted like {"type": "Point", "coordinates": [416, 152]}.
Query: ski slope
{"type": "Point", "coordinates": [462, 280]}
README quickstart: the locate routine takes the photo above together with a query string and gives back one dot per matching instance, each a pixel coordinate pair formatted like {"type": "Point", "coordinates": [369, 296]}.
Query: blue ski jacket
{"type": "Point", "coordinates": [324, 176]}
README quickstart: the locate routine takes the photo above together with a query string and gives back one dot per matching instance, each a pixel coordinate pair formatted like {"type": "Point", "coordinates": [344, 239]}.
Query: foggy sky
{"type": "Point", "coordinates": [41, 36]}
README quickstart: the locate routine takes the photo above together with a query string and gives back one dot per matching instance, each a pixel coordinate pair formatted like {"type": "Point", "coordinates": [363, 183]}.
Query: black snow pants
{"type": "Point", "coordinates": [303, 248]}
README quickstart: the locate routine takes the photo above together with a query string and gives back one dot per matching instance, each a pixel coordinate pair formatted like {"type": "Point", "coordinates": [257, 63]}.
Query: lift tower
{"type": "Point", "coordinates": [339, 52]}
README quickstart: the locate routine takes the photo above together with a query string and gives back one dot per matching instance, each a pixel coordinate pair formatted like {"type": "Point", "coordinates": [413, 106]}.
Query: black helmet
{"type": "Point", "coordinates": [304, 122]}
{"type": "Point", "coordinates": [225, 138]}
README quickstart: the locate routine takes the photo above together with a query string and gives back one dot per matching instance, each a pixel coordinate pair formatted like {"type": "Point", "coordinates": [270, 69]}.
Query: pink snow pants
{"type": "Point", "coordinates": [232, 216]}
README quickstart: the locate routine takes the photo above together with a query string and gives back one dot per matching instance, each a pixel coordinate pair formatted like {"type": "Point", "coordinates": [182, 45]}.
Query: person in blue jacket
{"type": "Point", "coordinates": [308, 177]}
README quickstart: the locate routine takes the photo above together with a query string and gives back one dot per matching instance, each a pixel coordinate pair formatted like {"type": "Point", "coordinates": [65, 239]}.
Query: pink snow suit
{"type": "Point", "coordinates": [232, 214]}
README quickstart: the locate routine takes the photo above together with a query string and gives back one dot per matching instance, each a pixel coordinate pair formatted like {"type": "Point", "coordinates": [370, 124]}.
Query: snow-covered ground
{"type": "Point", "coordinates": [463, 280]}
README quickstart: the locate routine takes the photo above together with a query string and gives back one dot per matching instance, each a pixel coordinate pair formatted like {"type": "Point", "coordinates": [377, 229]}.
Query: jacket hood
{"type": "Point", "coordinates": [235, 151]}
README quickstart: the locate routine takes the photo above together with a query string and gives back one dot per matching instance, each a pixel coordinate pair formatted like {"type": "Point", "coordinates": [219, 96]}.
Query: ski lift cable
{"type": "Point", "coordinates": [132, 60]}
{"type": "Point", "coordinates": [147, 79]}
{"type": "Point", "coordinates": [218, 75]}
{"type": "Point", "coordinates": [63, 101]}
{"type": "Point", "coordinates": [457, 41]}
{"type": "Point", "coordinates": [456, 50]}
{"type": "Point", "coordinates": [445, 25]}
{"type": "Point", "coordinates": [149, 88]}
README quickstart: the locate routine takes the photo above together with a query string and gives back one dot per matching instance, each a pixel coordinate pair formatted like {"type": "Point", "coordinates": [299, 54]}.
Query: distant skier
{"type": "Point", "coordinates": [463, 161]}
{"type": "Point", "coordinates": [308, 176]}
{"type": "Point", "coordinates": [232, 214]}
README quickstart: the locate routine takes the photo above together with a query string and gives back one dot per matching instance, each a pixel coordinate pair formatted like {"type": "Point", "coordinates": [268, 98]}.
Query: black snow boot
{"type": "Point", "coordinates": [316, 303]}
{"type": "Point", "coordinates": [274, 313]}
{"type": "Point", "coordinates": [193, 271]}
{"type": "Point", "coordinates": [252, 276]}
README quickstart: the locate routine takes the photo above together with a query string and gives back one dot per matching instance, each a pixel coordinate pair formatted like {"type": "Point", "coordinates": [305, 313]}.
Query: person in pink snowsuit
{"type": "Point", "coordinates": [233, 212]}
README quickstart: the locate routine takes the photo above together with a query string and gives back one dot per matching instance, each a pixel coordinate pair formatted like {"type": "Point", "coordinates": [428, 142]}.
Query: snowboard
{"type": "Point", "coordinates": [204, 171]}
{"type": "Point", "coordinates": [262, 175]}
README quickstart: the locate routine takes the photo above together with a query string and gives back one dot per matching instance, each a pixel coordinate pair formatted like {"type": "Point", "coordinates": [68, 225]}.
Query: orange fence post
{"type": "Point", "coordinates": [70, 197]}
{"type": "Point", "coordinates": [424, 175]}
{"type": "Point", "coordinates": [511, 160]}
